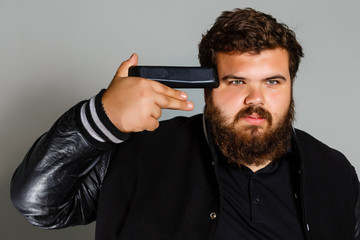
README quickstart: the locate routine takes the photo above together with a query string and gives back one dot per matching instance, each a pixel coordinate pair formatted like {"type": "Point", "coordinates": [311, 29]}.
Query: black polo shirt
{"type": "Point", "coordinates": [261, 205]}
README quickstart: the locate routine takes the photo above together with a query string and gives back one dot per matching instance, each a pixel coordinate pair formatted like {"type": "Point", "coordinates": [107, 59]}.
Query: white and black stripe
{"type": "Point", "coordinates": [97, 124]}
{"type": "Point", "coordinates": [87, 125]}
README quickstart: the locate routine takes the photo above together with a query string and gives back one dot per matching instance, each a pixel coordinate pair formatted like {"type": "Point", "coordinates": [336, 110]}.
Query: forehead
{"type": "Point", "coordinates": [270, 61]}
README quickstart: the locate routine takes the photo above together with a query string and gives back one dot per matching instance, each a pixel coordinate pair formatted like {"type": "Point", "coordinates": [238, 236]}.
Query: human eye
{"type": "Point", "coordinates": [272, 82]}
{"type": "Point", "coordinates": [237, 82]}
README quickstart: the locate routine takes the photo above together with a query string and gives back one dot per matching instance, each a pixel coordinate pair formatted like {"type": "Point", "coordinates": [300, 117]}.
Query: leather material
{"type": "Point", "coordinates": [58, 183]}
{"type": "Point", "coordinates": [48, 188]}
{"type": "Point", "coordinates": [357, 217]}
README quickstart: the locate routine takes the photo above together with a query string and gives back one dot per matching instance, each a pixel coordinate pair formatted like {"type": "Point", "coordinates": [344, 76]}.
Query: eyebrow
{"type": "Point", "coordinates": [276, 77]}
{"type": "Point", "coordinates": [232, 76]}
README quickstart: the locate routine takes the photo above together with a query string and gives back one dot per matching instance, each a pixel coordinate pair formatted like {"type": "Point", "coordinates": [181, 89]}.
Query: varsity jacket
{"type": "Point", "coordinates": [162, 184]}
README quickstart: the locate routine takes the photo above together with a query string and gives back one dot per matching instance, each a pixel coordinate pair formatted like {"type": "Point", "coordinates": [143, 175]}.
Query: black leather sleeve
{"type": "Point", "coordinates": [357, 216]}
{"type": "Point", "coordinates": [58, 182]}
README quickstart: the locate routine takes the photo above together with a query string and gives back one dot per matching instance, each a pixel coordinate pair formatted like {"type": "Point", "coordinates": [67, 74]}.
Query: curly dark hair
{"type": "Point", "coordinates": [248, 30]}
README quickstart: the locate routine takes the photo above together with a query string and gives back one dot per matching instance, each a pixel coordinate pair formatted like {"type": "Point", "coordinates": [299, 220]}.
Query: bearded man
{"type": "Point", "coordinates": [240, 171]}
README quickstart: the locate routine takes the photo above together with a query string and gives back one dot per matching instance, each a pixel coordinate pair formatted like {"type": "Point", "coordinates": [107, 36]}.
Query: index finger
{"type": "Point", "coordinates": [167, 102]}
{"type": "Point", "coordinates": [168, 91]}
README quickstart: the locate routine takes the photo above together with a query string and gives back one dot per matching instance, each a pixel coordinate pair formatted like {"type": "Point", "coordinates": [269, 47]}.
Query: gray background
{"type": "Point", "coordinates": [56, 53]}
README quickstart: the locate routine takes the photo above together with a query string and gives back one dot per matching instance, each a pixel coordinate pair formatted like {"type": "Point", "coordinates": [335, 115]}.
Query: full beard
{"type": "Point", "coordinates": [248, 146]}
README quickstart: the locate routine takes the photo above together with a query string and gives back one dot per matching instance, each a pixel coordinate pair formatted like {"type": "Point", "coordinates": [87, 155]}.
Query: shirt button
{"type": "Point", "coordinates": [257, 201]}
{"type": "Point", "coordinates": [299, 172]}
{"type": "Point", "coordinates": [212, 215]}
{"type": "Point", "coordinates": [212, 163]}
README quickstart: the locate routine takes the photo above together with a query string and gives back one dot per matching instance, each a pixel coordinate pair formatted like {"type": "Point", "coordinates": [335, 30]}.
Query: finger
{"type": "Point", "coordinates": [124, 67]}
{"type": "Point", "coordinates": [168, 91]}
{"type": "Point", "coordinates": [156, 112]}
{"type": "Point", "coordinates": [166, 102]}
{"type": "Point", "coordinates": [152, 124]}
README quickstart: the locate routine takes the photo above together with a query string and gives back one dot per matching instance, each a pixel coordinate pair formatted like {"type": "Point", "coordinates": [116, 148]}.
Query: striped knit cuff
{"type": "Point", "coordinates": [97, 124]}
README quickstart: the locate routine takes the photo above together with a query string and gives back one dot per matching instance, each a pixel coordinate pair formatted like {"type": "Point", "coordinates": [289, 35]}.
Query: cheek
{"type": "Point", "coordinates": [228, 101]}
{"type": "Point", "coordinates": [279, 104]}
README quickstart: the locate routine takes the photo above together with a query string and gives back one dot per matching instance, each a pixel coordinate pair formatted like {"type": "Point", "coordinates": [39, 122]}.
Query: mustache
{"type": "Point", "coordinates": [263, 113]}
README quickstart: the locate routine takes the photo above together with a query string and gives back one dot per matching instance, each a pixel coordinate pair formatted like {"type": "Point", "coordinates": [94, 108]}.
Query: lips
{"type": "Point", "coordinates": [254, 119]}
{"type": "Point", "coordinates": [254, 115]}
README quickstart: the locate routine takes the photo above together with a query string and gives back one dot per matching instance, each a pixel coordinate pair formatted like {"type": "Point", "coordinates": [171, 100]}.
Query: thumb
{"type": "Point", "coordinates": [124, 67]}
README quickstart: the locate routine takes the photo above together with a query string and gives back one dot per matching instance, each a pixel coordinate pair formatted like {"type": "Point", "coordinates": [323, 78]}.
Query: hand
{"type": "Point", "coordinates": [134, 104]}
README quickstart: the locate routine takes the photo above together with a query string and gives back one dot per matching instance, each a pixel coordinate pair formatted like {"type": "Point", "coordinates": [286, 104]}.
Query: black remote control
{"type": "Point", "coordinates": [178, 77]}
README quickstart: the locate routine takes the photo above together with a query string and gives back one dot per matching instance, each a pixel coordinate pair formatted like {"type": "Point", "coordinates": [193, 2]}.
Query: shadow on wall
{"type": "Point", "coordinates": [23, 120]}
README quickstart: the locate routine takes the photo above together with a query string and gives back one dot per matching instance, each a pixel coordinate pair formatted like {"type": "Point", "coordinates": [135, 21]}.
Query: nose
{"type": "Point", "coordinates": [254, 97]}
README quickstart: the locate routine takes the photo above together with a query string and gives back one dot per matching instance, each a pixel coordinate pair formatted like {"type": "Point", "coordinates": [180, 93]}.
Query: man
{"type": "Point", "coordinates": [240, 171]}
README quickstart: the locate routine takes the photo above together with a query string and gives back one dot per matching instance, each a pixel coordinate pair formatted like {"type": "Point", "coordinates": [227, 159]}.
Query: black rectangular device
{"type": "Point", "coordinates": [178, 77]}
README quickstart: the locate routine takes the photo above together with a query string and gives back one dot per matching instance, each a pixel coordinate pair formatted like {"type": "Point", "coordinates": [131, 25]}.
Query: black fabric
{"type": "Point", "coordinates": [160, 189]}
{"type": "Point", "coordinates": [329, 189]}
{"type": "Point", "coordinates": [157, 188]}
{"type": "Point", "coordinates": [162, 185]}
{"type": "Point", "coordinates": [261, 205]}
